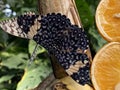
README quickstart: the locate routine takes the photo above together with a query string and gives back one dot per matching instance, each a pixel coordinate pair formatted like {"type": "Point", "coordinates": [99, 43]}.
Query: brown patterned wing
{"type": "Point", "coordinates": [24, 26]}
{"type": "Point", "coordinates": [68, 43]}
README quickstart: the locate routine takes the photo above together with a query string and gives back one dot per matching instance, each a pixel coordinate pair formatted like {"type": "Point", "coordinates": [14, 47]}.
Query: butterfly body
{"type": "Point", "coordinates": [67, 42]}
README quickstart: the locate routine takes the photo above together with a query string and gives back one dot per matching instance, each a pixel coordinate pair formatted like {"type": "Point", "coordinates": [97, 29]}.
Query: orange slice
{"type": "Point", "coordinates": [105, 69]}
{"type": "Point", "coordinates": [108, 19]}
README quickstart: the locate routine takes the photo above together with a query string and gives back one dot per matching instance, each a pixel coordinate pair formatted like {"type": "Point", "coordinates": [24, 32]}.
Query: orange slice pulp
{"type": "Point", "coordinates": [105, 69]}
{"type": "Point", "coordinates": [108, 19]}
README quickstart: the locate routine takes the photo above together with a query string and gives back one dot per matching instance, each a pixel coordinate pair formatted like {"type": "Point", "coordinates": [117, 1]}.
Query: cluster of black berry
{"type": "Point", "coordinates": [26, 21]}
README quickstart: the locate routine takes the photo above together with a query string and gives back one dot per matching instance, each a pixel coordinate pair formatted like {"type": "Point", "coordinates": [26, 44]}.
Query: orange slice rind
{"type": "Point", "coordinates": [105, 69]}
{"type": "Point", "coordinates": [108, 19]}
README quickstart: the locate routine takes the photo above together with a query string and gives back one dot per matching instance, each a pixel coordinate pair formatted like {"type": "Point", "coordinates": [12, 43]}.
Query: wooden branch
{"type": "Point", "coordinates": [47, 84]}
{"type": "Point", "coordinates": [68, 8]}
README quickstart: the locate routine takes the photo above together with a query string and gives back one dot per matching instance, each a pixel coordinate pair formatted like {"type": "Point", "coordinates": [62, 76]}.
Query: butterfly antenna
{"type": "Point", "coordinates": [32, 57]}
{"type": "Point", "coordinates": [35, 49]}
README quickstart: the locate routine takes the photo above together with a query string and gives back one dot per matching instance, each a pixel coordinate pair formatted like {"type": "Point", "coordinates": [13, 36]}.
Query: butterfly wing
{"type": "Point", "coordinates": [56, 33]}
{"type": "Point", "coordinates": [24, 26]}
{"type": "Point", "coordinates": [72, 54]}
{"type": "Point", "coordinates": [68, 43]}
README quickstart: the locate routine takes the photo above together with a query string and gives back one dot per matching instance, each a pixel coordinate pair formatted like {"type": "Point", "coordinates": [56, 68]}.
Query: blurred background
{"type": "Point", "coordinates": [15, 74]}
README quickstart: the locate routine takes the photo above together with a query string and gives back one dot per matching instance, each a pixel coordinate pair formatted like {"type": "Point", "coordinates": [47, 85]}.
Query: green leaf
{"type": "Point", "coordinates": [32, 45]}
{"type": "Point", "coordinates": [96, 40]}
{"type": "Point", "coordinates": [33, 76]}
{"type": "Point", "coordinates": [5, 54]}
{"type": "Point", "coordinates": [3, 38]}
{"type": "Point", "coordinates": [16, 61]}
{"type": "Point", "coordinates": [6, 78]}
{"type": "Point", "coordinates": [85, 13]}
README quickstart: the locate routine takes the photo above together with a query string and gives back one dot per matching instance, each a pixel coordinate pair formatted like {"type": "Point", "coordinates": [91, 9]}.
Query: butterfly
{"type": "Point", "coordinates": [67, 42]}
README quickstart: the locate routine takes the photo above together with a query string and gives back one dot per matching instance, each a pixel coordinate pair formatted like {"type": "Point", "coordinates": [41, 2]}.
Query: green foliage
{"type": "Point", "coordinates": [34, 75]}
{"type": "Point", "coordinates": [15, 71]}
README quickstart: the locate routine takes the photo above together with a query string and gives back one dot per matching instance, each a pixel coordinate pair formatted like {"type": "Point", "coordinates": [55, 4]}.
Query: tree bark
{"type": "Point", "coordinates": [68, 8]}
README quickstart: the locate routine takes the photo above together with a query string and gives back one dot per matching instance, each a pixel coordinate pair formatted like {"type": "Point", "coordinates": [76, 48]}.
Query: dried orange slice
{"type": "Point", "coordinates": [105, 69]}
{"type": "Point", "coordinates": [108, 19]}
